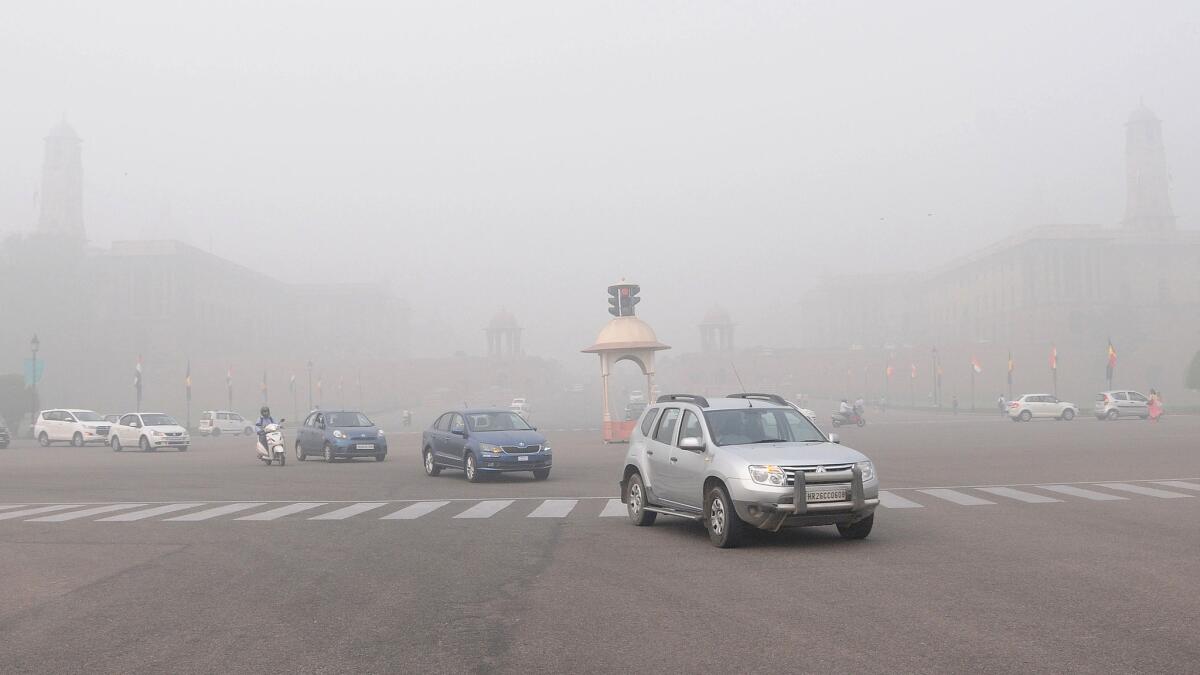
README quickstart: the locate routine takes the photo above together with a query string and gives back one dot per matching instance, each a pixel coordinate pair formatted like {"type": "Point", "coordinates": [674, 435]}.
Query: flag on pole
{"type": "Point", "coordinates": [137, 381]}
{"type": "Point", "coordinates": [187, 380]}
{"type": "Point", "coordinates": [890, 371]}
{"type": "Point", "coordinates": [1010, 367]}
{"type": "Point", "coordinates": [975, 365]}
{"type": "Point", "coordinates": [913, 373]}
{"type": "Point", "coordinates": [1053, 357]}
{"type": "Point", "coordinates": [1112, 360]}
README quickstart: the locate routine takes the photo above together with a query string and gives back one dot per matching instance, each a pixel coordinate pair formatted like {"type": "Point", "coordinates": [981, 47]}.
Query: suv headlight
{"type": "Point", "coordinates": [868, 471]}
{"type": "Point", "coordinates": [491, 449]}
{"type": "Point", "coordinates": [768, 475]}
{"type": "Point", "coordinates": [337, 433]}
{"type": "Point", "coordinates": [380, 434]}
{"type": "Point", "coordinates": [546, 448]}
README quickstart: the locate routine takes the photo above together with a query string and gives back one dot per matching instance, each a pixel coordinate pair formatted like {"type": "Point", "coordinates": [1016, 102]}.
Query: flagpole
{"type": "Point", "coordinates": [972, 388]}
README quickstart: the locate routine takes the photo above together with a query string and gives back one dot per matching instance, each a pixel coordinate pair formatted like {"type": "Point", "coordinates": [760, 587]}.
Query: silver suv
{"type": "Point", "coordinates": [744, 460]}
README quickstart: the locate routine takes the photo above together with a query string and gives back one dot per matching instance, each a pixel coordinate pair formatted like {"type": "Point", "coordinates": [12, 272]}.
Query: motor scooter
{"type": "Point", "coordinates": [274, 450]}
{"type": "Point", "coordinates": [851, 418]}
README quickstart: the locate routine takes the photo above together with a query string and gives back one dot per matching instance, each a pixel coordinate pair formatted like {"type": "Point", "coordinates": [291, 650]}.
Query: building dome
{"type": "Point", "coordinates": [63, 130]}
{"type": "Point", "coordinates": [716, 316]}
{"type": "Point", "coordinates": [503, 320]}
{"type": "Point", "coordinates": [626, 332]}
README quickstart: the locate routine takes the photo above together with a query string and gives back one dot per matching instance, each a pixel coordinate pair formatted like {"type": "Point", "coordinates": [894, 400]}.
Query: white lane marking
{"type": "Point", "coordinates": [613, 509]}
{"type": "Point", "coordinates": [1180, 484]}
{"type": "Point", "coordinates": [11, 506]}
{"type": "Point", "coordinates": [1080, 492]}
{"type": "Point", "coordinates": [1143, 490]}
{"type": "Point", "coordinates": [891, 501]}
{"type": "Point", "coordinates": [62, 517]}
{"type": "Point", "coordinates": [554, 508]}
{"type": "Point", "coordinates": [282, 511]}
{"type": "Point", "coordinates": [214, 512]}
{"type": "Point", "coordinates": [148, 513]}
{"type": "Point", "coordinates": [1019, 495]}
{"type": "Point", "coordinates": [486, 509]}
{"type": "Point", "coordinates": [415, 511]}
{"type": "Point", "coordinates": [348, 511]}
{"type": "Point", "coordinates": [41, 509]}
{"type": "Point", "coordinates": [960, 498]}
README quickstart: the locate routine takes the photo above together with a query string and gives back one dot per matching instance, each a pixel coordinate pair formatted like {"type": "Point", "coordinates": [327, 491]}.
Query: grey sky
{"type": "Point", "coordinates": [480, 155]}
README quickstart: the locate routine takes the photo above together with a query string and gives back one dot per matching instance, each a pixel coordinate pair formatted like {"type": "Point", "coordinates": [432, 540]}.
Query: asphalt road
{"type": "Point", "coordinates": [1041, 547]}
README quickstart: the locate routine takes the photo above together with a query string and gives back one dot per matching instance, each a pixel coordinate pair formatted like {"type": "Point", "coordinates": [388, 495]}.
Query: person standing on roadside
{"type": "Point", "coordinates": [1002, 405]}
{"type": "Point", "coordinates": [1156, 406]}
{"type": "Point", "coordinates": [954, 404]}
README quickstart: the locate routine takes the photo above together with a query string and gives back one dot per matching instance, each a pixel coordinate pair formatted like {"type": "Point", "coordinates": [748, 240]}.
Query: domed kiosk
{"type": "Point", "coordinates": [624, 338]}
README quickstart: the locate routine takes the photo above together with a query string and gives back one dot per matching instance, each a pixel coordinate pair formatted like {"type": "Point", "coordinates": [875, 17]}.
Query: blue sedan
{"type": "Point", "coordinates": [485, 441]}
{"type": "Point", "coordinates": [340, 434]}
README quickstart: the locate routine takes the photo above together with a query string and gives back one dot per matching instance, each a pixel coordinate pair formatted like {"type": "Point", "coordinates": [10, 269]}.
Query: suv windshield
{"type": "Point", "coordinates": [497, 421]}
{"type": "Point", "coordinates": [88, 416]}
{"type": "Point", "coordinates": [158, 420]}
{"type": "Point", "coordinates": [351, 419]}
{"type": "Point", "coordinates": [760, 425]}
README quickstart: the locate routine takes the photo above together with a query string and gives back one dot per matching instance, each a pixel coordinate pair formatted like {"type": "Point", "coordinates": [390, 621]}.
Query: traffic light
{"type": "Point", "coordinates": [622, 298]}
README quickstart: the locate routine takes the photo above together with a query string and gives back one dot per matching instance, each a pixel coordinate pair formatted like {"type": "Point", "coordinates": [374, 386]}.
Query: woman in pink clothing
{"type": "Point", "coordinates": [1156, 406]}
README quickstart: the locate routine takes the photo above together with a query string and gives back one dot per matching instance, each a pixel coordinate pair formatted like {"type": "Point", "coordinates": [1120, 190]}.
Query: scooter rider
{"type": "Point", "coordinates": [264, 420]}
{"type": "Point", "coordinates": [845, 409]}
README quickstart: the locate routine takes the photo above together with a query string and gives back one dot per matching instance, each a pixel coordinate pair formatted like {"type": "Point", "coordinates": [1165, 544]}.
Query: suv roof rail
{"type": "Point", "coordinates": [689, 398]}
{"type": "Point", "coordinates": [773, 398]}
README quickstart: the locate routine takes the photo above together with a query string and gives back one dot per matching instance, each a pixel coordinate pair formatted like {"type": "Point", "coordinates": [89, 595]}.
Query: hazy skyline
{"type": "Point", "coordinates": [525, 155]}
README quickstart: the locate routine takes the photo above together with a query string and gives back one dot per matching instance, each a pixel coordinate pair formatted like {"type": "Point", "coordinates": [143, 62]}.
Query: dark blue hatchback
{"type": "Point", "coordinates": [340, 434]}
{"type": "Point", "coordinates": [485, 441]}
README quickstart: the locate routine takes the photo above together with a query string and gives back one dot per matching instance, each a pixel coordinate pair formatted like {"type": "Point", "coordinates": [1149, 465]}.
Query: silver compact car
{"type": "Point", "coordinates": [746, 460]}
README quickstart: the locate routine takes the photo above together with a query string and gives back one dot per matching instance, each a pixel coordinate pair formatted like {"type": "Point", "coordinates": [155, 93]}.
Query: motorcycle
{"type": "Point", "coordinates": [846, 419]}
{"type": "Point", "coordinates": [274, 450]}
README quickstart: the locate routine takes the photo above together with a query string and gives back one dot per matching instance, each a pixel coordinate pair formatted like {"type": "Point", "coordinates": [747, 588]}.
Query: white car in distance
{"type": "Point", "coordinates": [78, 427]}
{"type": "Point", "coordinates": [1032, 406]}
{"type": "Point", "coordinates": [148, 431]}
{"type": "Point", "coordinates": [217, 422]}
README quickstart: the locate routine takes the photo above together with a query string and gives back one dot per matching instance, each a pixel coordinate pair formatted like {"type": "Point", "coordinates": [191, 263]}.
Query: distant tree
{"type": "Point", "coordinates": [15, 400]}
{"type": "Point", "coordinates": [1191, 378]}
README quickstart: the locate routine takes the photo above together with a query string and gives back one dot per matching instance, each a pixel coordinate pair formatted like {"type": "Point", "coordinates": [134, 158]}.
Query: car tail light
{"type": "Point", "coordinates": [1014, 404]}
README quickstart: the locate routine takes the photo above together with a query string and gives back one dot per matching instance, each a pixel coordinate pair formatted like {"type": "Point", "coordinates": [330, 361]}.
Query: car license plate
{"type": "Point", "coordinates": [523, 458]}
{"type": "Point", "coordinates": [365, 446]}
{"type": "Point", "coordinates": [826, 495]}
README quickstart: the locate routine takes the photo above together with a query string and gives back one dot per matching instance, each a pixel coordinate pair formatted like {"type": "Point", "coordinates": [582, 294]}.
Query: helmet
{"type": "Point", "coordinates": [265, 412]}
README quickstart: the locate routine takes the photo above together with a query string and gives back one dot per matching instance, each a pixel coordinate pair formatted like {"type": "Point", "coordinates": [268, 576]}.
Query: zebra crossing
{"type": "Point", "coordinates": [561, 508]}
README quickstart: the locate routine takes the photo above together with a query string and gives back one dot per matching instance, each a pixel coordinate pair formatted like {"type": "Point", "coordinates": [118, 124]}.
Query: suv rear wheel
{"type": "Point", "coordinates": [724, 526]}
{"type": "Point", "coordinates": [1026, 415]}
{"type": "Point", "coordinates": [1068, 415]}
{"type": "Point", "coordinates": [858, 530]}
{"type": "Point", "coordinates": [635, 505]}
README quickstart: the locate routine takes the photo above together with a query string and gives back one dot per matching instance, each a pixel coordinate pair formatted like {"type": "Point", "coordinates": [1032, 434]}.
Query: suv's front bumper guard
{"type": "Point", "coordinates": [774, 515]}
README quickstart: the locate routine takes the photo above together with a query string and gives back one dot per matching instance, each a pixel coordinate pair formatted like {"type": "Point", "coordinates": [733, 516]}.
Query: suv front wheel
{"type": "Point", "coordinates": [720, 518]}
{"type": "Point", "coordinates": [858, 530]}
{"type": "Point", "coordinates": [635, 505]}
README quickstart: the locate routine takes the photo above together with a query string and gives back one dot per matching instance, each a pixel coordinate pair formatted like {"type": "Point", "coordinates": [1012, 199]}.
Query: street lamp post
{"type": "Point", "coordinates": [310, 402]}
{"type": "Point", "coordinates": [34, 344]}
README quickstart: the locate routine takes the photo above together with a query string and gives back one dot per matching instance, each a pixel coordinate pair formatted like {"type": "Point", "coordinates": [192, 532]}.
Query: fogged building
{"type": "Point", "coordinates": [1067, 286]}
{"type": "Point", "coordinates": [95, 310]}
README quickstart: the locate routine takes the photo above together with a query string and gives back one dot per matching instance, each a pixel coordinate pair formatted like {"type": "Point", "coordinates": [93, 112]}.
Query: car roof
{"type": "Point", "coordinates": [480, 411]}
{"type": "Point", "coordinates": [720, 403]}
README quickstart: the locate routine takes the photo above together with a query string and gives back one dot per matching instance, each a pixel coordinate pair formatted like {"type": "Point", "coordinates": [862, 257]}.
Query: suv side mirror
{"type": "Point", "coordinates": [834, 438]}
{"type": "Point", "coordinates": [693, 443]}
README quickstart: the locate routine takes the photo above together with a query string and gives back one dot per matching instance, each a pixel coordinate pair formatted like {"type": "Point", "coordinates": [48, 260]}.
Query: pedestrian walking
{"type": "Point", "coordinates": [954, 404]}
{"type": "Point", "coordinates": [1002, 405]}
{"type": "Point", "coordinates": [1156, 405]}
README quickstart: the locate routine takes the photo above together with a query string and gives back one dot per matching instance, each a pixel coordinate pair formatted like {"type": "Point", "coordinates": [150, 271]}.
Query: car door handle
{"type": "Point", "coordinates": [649, 452]}
{"type": "Point", "coordinates": [674, 459]}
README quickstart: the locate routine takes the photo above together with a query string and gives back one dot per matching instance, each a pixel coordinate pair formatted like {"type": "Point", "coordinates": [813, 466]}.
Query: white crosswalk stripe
{"type": "Point", "coordinates": [149, 513]}
{"type": "Point", "coordinates": [74, 515]}
{"type": "Point", "coordinates": [1019, 495]}
{"type": "Point", "coordinates": [955, 496]}
{"type": "Point", "coordinates": [613, 509]}
{"type": "Point", "coordinates": [9, 515]}
{"type": "Point", "coordinates": [554, 508]}
{"type": "Point", "coordinates": [486, 509]}
{"type": "Point", "coordinates": [1143, 490]}
{"type": "Point", "coordinates": [1182, 485]}
{"type": "Point", "coordinates": [415, 511]}
{"type": "Point", "coordinates": [893, 501]}
{"type": "Point", "coordinates": [1080, 492]}
{"type": "Point", "coordinates": [282, 511]}
{"type": "Point", "coordinates": [348, 511]}
{"type": "Point", "coordinates": [214, 512]}
{"type": "Point", "coordinates": [5, 507]}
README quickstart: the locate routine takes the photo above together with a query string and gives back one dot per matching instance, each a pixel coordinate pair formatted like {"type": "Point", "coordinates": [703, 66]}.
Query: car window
{"type": "Point", "coordinates": [691, 427]}
{"type": "Point", "coordinates": [222, 416]}
{"type": "Point", "coordinates": [319, 421]}
{"type": "Point", "coordinates": [497, 421]}
{"type": "Point", "coordinates": [158, 420]}
{"type": "Point", "coordinates": [311, 420]}
{"type": "Point", "coordinates": [349, 419]}
{"type": "Point", "coordinates": [127, 421]}
{"type": "Point", "coordinates": [1120, 396]}
{"type": "Point", "coordinates": [206, 416]}
{"type": "Point", "coordinates": [1134, 396]}
{"type": "Point", "coordinates": [237, 418]}
{"type": "Point", "coordinates": [648, 421]}
{"type": "Point", "coordinates": [442, 423]}
{"type": "Point", "coordinates": [456, 423]}
{"type": "Point", "coordinates": [666, 426]}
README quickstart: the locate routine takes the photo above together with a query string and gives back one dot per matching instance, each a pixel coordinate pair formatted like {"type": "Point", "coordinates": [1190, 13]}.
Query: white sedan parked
{"type": "Point", "coordinates": [1030, 406]}
{"type": "Point", "coordinates": [148, 431]}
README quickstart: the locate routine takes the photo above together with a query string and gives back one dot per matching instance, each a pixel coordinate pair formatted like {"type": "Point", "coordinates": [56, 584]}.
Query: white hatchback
{"type": "Point", "coordinates": [217, 422]}
{"type": "Point", "coordinates": [148, 431]}
{"type": "Point", "coordinates": [1030, 406]}
{"type": "Point", "coordinates": [78, 427]}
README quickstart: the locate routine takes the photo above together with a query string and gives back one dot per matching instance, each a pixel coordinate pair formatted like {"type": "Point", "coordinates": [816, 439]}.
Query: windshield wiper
{"type": "Point", "coordinates": [770, 440]}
